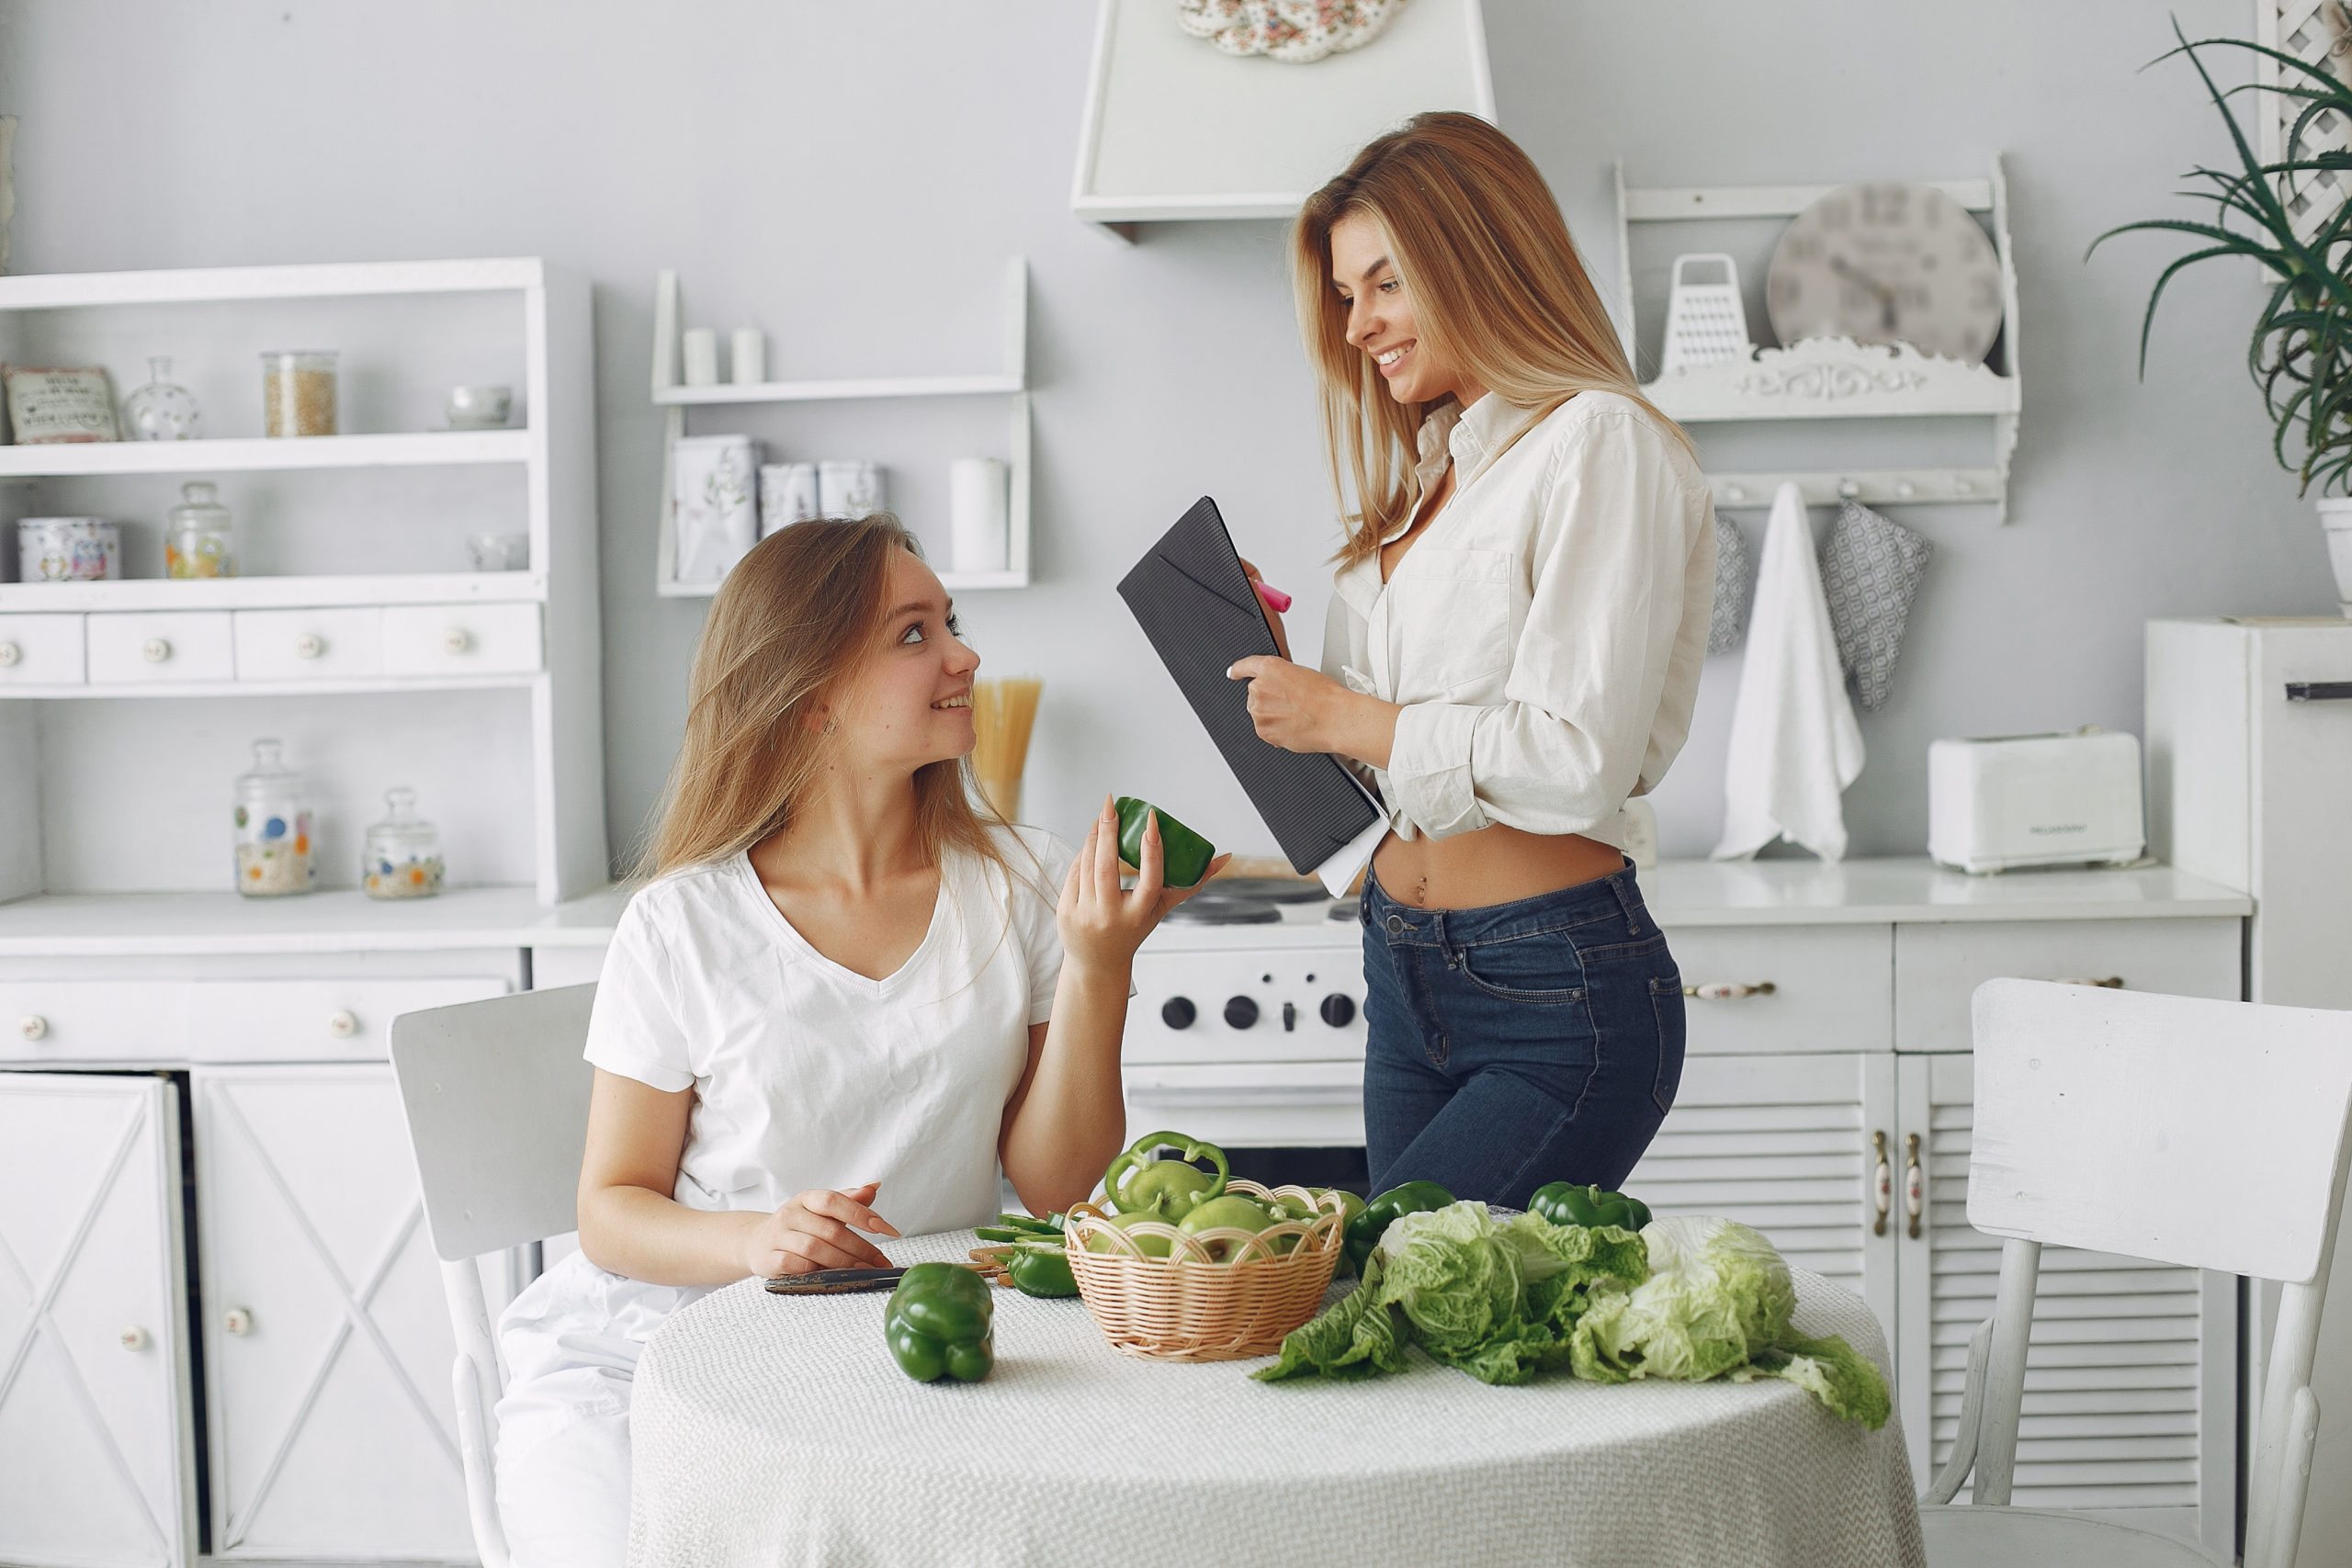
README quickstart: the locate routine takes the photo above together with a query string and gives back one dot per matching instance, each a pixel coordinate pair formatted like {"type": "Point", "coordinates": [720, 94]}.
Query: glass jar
{"type": "Point", "coordinates": [273, 828]}
{"type": "Point", "coordinates": [196, 541]}
{"type": "Point", "coordinates": [160, 411]}
{"type": "Point", "coordinates": [403, 858]}
{"type": "Point", "coordinates": [298, 393]}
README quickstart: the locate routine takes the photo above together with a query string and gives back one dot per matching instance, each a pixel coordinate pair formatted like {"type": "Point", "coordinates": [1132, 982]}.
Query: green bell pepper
{"type": "Point", "coordinates": [1364, 1231]}
{"type": "Point", "coordinates": [1040, 1271]}
{"type": "Point", "coordinates": [1185, 854]}
{"type": "Point", "coordinates": [1566, 1203]}
{"type": "Point", "coordinates": [1163, 1188]}
{"type": "Point", "coordinates": [938, 1323]}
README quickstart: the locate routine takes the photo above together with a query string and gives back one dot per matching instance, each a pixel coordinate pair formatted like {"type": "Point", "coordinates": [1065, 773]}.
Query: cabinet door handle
{"type": "Point", "coordinates": [344, 1025]}
{"type": "Point", "coordinates": [1882, 1185]}
{"type": "Point", "coordinates": [457, 640]}
{"type": "Point", "coordinates": [33, 1027]}
{"type": "Point", "coordinates": [310, 644]}
{"type": "Point", "coordinates": [238, 1320]}
{"type": "Point", "coordinates": [2110, 983]}
{"type": "Point", "coordinates": [1729, 990]}
{"type": "Point", "coordinates": [155, 650]}
{"type": "Point", "coordinates": [135, 1338]}
{"type": "Point", "coordinates": [2319, 690]}
{"type": "Point", "coordinates": [9, 655]}
{"type": "Point", "coordinates": [1915, 1187]}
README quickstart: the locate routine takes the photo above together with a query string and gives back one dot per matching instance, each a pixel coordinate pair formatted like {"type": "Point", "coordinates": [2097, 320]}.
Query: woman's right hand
{"type": "Point", "coordinates": [812, 1231]}
{"type": "Point", "coordinates": [1274, 621]}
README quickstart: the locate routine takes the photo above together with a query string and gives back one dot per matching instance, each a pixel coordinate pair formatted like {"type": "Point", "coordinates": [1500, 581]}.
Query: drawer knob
{"type": "Point", "coordinates": [310, 644]}
{"type": "Point", "coordinates": [34, 1027]}
{"type": "Point", "coordinates": [344, 1025]}
{"type": "Point", "coordinates": [135, 1338]}
{"type": "Point", "coordinates": [10, 656]}
{"type": "Point", "coordinates": [457, 640]}
{"type": "Point", "coordinates": [1729, 990]}
{"type": "Point", "coordinates": [155, 650]}
{"type": "Point", "coordinates": [238, 1320]}
{"type": "Point", "coordinates": [2111, 983]}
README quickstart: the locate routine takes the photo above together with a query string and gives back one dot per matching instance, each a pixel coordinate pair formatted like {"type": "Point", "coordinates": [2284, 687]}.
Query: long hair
{"type": "Point", "coordinates": [1496, 284]}
{"type": "Point", "coordinates": [790, 626]}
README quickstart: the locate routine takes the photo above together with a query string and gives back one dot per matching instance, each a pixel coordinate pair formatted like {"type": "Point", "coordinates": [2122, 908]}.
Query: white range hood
{"type": "Point", "coordinates": [1177, 129]}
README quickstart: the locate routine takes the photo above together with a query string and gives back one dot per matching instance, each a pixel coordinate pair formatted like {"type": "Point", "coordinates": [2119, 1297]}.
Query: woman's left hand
{"type": "Point", "coordinates": [1101, 924]}
{"type": "Point", "coordinates": [1294, 707]}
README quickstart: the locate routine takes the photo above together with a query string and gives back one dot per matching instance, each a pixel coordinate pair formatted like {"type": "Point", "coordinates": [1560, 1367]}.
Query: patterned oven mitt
{"type": "Point", "coordinates": [1869, 573]}
{"type": "Point", "coordinates": [1735, 588]}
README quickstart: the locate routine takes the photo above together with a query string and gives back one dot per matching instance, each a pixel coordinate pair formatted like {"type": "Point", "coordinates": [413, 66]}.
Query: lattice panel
{"type": "Point", "coordinates": [2320, 33]}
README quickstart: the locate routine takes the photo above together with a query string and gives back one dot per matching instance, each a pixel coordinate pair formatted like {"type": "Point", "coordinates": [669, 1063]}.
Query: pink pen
{"type": "Point", "coordinates": [1276, 600]}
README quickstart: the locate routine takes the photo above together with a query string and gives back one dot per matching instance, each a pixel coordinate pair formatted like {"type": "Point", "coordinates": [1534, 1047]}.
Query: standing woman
{"type": "Point", "coordinates": [1513, 651]}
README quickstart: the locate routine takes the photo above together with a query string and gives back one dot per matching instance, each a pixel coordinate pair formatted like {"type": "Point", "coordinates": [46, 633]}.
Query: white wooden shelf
{"type": "Point", "coordinates": [344, 919]}
{"type": "Point", "coordinates": [953, 582]}
{"type": "Point", "coordinates": [836, 392]}
{"type": "Point", "coordinates": [250, 455]}
{"type": "Point", "coordinates": [1836, 378]}
{"type": "Point", "coordinates": [324, 687]}
{"type": "Point", "coordinates": [540, 799]}
{"type": "Point", "coordinates": [1012, 384]}
{"type": "Point", "coordinates": [273, 592]}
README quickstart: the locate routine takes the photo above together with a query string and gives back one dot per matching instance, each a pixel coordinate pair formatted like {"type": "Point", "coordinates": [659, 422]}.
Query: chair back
{"type": "Point", "coordinates": [496, 1094]}
{"type": "Point", "coordinates": [497, 1098]}
{"type": "Point", "coordinates": [2208, 1135]}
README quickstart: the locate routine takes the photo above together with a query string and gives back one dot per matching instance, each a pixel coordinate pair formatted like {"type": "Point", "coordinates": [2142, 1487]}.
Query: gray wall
{"type": "Point", "coordinates": [852, 176]}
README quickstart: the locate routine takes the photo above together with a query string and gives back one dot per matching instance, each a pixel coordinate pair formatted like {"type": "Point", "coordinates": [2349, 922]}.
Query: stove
{"type": "Point", "coordinates": [1247, 1025]}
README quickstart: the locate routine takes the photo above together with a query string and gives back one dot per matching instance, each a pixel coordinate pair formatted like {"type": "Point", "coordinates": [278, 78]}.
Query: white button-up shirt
{"type": "Point", "coordinates": [1544, 632]}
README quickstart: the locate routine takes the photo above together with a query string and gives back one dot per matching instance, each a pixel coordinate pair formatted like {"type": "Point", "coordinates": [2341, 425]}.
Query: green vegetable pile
{"type": "Point", "coordinates": [1139, 1189]}
{"type": "Point", "coordinates": [1508, 1301]}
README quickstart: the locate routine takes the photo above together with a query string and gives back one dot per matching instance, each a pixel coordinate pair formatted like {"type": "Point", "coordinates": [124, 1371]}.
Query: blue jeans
{"type": "Point", "coordinates": [1519, 1044]}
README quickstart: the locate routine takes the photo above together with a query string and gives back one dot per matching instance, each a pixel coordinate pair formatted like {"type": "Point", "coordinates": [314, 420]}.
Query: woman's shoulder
{"type": "Point", "coordinates": [685, 896]}
{"type": "Point", "coordinates": [1601, 423]}
{"type": "Point", "coordinates": [1037, 860]}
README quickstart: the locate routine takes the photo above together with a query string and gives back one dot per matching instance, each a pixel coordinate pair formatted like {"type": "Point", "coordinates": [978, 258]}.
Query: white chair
{"type": "Point", "coordinates": [2204, 1134]}
{"type": "Point", "coordinates": [497, 1100]}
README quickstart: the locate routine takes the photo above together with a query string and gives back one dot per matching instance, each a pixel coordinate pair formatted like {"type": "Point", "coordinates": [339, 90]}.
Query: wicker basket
{"type": "Point", "coordinates": [1220, 1294]}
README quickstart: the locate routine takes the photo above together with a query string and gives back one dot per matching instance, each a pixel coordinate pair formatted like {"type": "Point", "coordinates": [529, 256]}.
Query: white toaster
{"type": "Point", "coordinates": [2011, 800]}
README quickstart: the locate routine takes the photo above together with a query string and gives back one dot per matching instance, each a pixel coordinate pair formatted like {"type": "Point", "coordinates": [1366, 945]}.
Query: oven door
{"type": "Point", "coordinates": [1251, 1104]}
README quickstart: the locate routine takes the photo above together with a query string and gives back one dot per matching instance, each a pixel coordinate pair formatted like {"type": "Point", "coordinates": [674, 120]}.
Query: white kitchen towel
{"type": "Point", "coordinates": [1794, 744]}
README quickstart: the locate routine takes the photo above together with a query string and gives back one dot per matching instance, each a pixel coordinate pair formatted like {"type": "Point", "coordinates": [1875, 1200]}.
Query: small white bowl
{"type": "Point", "coordinates": [478, 408]}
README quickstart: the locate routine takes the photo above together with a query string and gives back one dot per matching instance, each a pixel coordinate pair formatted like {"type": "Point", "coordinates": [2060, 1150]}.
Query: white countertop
{"type": "Point", "coordinates": [1680, 894]}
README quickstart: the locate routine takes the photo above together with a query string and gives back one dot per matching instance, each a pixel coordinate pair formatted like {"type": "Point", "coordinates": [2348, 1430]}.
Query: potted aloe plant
{"type": "Point", "coordinates": [2300, 353]}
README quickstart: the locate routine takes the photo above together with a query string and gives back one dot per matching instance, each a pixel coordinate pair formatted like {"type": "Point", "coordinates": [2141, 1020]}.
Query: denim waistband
{"type": "Point", "coordinates": [1615, 897]}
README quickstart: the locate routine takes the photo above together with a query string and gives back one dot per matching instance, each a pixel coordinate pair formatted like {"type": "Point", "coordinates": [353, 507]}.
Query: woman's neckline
{"type": "Point", "coordinates": [799, 943]}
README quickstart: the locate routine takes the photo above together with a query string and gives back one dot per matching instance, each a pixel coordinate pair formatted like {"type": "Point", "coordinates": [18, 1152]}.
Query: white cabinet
{"type": "Point", "coordinates": [1793, 1145]}
{"type": "Point", "coordinates": [95, 1456]}
{"type": "Point", "coordinates": [2131, 1392]}
{"type": "Point", "coordinates": [327, 1348]}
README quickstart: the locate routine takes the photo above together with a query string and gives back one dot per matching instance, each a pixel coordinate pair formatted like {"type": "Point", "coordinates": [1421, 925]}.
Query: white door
{"type": "Point", "coordinates": [327, 1345]}
{"type": "Point", "coordinates": [96, 1443]}
{"type": "Point", "coordinates": [1789, 1144]}
{"type": "Point", "coordinates": [2130, 1391]}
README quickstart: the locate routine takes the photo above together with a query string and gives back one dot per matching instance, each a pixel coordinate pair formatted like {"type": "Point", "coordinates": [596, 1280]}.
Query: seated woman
{"type": "Point", "coordinates": [845, 993]}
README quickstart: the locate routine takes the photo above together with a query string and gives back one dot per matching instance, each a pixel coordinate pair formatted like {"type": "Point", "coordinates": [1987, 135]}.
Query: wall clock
{"type": "Point", "coordinates": [1887, 263]}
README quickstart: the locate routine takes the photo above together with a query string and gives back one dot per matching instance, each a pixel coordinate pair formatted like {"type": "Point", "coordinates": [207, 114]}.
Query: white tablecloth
{"type": "Point", "coordinates": [777, 1430]}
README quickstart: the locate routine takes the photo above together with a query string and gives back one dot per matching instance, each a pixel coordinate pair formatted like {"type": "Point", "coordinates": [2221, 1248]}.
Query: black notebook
{"type": "Point", "coordinates": [1193, 601]}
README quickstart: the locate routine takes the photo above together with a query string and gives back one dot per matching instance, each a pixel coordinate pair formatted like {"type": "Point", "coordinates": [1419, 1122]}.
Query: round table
{"type": "Point", "coordinates": [777, 1430]}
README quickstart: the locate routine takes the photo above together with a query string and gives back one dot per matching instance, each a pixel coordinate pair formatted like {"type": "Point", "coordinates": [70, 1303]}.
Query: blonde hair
{"type": "Point", "coordinates": [1497, 287]}
{"type": "Point", "coordinates": [794, 622]}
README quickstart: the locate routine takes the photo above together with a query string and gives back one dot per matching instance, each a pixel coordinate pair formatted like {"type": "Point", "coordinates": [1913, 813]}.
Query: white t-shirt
{"type": "Point", "coordinates": [808, 1074]}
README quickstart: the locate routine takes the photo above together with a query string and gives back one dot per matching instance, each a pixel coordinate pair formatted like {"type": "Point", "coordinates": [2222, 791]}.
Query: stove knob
{"type": "Point", "coordinates": [1177, 1013]}
{"type": "Point", "coordinates": [1338, 1010]}
{"type": "Point", "coordinates": [1240, 1012]}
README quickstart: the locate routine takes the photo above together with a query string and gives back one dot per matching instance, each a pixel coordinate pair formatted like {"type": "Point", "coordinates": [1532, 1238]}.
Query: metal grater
{"type": "Point", "coordinates": [1704, 322]}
